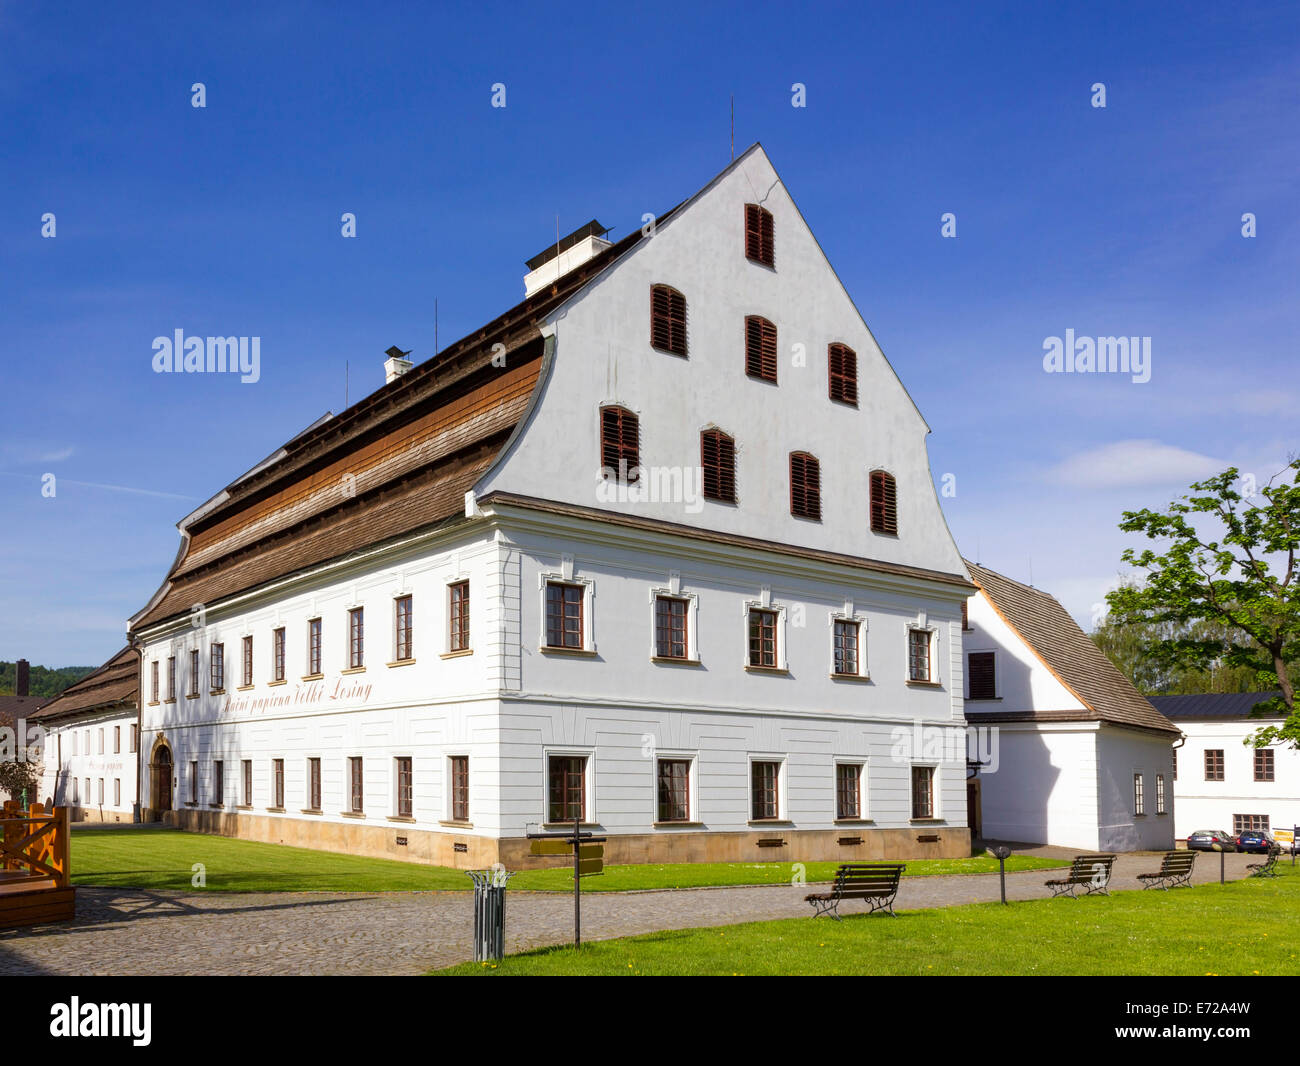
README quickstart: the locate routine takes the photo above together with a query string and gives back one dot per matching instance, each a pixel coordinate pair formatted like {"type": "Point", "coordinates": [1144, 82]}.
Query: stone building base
{"type": "Point", "coordinates": [465, 851]}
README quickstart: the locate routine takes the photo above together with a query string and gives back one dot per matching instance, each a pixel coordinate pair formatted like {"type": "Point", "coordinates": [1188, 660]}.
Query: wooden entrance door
{"type": "Point", "coordinates": [162, 780]}
{"type": "Point", "coordinates": [973, 806]}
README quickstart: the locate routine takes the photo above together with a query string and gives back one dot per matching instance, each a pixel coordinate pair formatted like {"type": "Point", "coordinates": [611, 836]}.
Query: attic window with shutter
{"type": "Point", "coordinates": [620, 443]}
{"type": "Point", "coordinates": [718, 460]}
{"type": "Point", "coordinates": [884, 504]}
{"type": "Point", "coordinates": [981, 675]}
{"type": "Point", "coordinates": [843, 366]}
{"type": "Point", "coordinates": [758, 235]}
{"type": "Point", "coordinates": [760, 348]}
{"type": "Point", "coordinates": [805, 486]}
{"type": "Point", "coordinates": [667, 320]}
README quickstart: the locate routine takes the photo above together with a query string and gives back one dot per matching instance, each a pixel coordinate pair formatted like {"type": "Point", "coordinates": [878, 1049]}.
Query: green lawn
{"type": "Point", "coordinates": [1241, 928]}
{"type": "Point", "coordinates": [164, 858]}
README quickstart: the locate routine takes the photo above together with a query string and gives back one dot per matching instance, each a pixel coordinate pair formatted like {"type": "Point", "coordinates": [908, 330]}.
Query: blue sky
{"type": "Point", "coordinates": [225, 220]}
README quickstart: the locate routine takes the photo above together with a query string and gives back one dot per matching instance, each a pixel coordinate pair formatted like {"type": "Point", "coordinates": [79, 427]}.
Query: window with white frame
{"type": "Point", "coordinates": [568, 786]}
{"type": "Point", "coordinates": [920, 654]}
{"type": "Point", "coordinates": [848, 646]}
{"type": "Point", "coordinates": [673, 624]}
{"type": "Point", "coordinates": [674, 788]}
{"type": "Point", "coordinates": [1139, 799]}
{"type": "Point", "coordinates": [566, 613]}
{"type": "Point", "coordinates": [764, 636]}
{"type": "Point", "coordinates": [848, 791]}
{"type": "Point", "coordinates": [923, 792]}
{"type": "Point", "coordinates": [766, 788]}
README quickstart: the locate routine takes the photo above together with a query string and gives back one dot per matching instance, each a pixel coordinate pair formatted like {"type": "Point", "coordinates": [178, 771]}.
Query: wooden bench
{"type": "Point", "coordinates": [874, 882]}
{"type": "Point", "coordinates": [1088, 872]}
{"type": "Point", "coordinates": [1267, 867]}
{"type": "Point", "coordinates": [1175, 869]}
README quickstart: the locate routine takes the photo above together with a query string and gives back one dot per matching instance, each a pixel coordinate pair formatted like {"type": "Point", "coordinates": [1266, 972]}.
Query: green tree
{"type": "Point", "coordinates": [1225, 561]}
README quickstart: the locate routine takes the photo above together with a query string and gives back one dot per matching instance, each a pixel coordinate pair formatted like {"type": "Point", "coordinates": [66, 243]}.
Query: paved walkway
{"type": "Point", "coordinates": [130, 932]}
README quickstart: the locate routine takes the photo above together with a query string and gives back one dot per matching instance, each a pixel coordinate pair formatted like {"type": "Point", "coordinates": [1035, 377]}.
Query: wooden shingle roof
{"type": "Point", "coordinates": [1083, 668]}
{"type": "Point", "coordinates": [117, 682]}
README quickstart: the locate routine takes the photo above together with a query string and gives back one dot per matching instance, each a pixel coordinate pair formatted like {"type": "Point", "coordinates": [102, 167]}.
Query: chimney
{"type": "Point", "coordinates": [565, 255]}
{"type": "Point", "coordinates": [23, 677]}
{"type": "Point", "coordinates": [396, 364]}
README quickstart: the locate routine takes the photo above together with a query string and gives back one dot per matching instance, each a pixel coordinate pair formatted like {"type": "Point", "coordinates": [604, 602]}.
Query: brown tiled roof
{"type": "Point", "coordinates": [13, 708]}
{"type": "Point", "coordinates": [1069, 654]}
{"type": "Point", "coordinates": [396, 463]}
{"type": "Point", "coordinates": [116, 682]}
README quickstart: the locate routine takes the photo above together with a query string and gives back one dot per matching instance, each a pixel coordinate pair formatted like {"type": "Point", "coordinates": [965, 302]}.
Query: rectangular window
{"type": "Point", "coordinates": [674, 790]}
{"type": "Point", "coordinates": [135, 737]}
{"type": "Point", "coordinates": [194, 673]}
{"type": "Point", "coordinates": [718, 462]}
{"type": "Point", "coordinates": [1249, 823]}
{"type": "Point", "coordinates": [922, 791]}
{"type": "Point", "coordinates": [218, 664]}
{"type": "Point", "coordinates": [566, 788]}
{"type": "Point", "coordinates": [356, 638]}
{"type": "Point", "coordinates": [248, 782]}
{"type": "Point", "coordinates": [313, 647]}
{"type": "Point", "coordinates": [248, 662]}
{"type": "Point", "coordinates": [87, 790]}
{"type": "Point", "coordinates": [965, 616]}
{"type": "Point", "coordinates": [117, 792]}
{"type": "Point", "coordinates": [846, 646]}
{"type": "Point", "coordinates": [842, 363]}
{"type": "Point", "coordinates": [620, 444]}
{"type": "Point", "coordinates": [760, 348]}
{"type": "Point", "coordinates": [765, 780]}
{"type": "Point", "coordinates": [313, 784]}
{"type": "Point", "coordinates": [100, 801]}
{"type": "Point", "coordinates": [218, 782]}
{"type": "Point", "coordinates": [277, 783]}
{"type": "Point", "coordinates": [1264, 764]}
{"type": "Point", "coordinates": [563, 615]}
{"type": "Point", "coordinates": [805, 486]}
{"type": "Point", "coordinates": [100, 738]}
{"type": "Point", "coordinates": [405, 787]}
{"type": "Point", "coordinates": [458, 616]}
{"type": "Point", "coordinates": [171, 677]}
{"type": "Point", "coordinates": [76, 790]}
{"type": "Point", "coordinates": [153, 681]}
{"type": "Point", "coordinates": [460, 788]}
{"type": "Point", "coordinates": [194, 782]}
{"type": "Point", "coordinates": [918, 654]}
{"type": "Point", "coordinates": [1139, 799]}
{"type": "Point", "coordinates": [884, 503]}
{"type": "Point", "coordinates": [356, 791]}
{"type": "Point", "coordinates": [1175, 762]}
{"type": "Point", "coordinates": [277, 654]}
{"type": "Point", "coordinates": [759, 235]}
{"type": "Point", "coordinates": [762, 638]}
{"type": "Point", "coordinates": [1160, 794]}
{"type": "Point", "coordinates": [670, 628]}
{"type": "Point", "coordinates": [1214, 764]}
{"type": "Point", "coordinates": [117, 739]}
{"type": "Point", "coordinates": [979, 670]}
{"type": "Point", "coordinates": [848, 790]}
{"type": "Point", "coordinates": [403, 644]}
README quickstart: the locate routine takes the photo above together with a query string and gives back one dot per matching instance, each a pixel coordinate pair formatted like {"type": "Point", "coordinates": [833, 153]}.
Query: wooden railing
{"type": "Point", "coordinates": [34, 844]}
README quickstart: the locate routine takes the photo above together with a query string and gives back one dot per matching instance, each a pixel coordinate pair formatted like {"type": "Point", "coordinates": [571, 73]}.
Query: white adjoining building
{"type": "Point", "coordinates": [1074, 755]}
{"type": "Point", "coordinates": [90, 751]}
{"type": "Point", "coordinates": [658, 548]}
{"type": "Point", "coordinates": [1222, 781]}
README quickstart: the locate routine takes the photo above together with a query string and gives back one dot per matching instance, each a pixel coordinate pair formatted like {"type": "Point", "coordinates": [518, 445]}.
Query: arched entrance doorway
{"type": "Point", "coordinates": [160, 780]}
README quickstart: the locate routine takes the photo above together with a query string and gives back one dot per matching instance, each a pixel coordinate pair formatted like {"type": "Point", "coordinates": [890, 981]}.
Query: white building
{"type": "Point", "coordinates": [1077, 757]}
{"type": "Point", "coordinates": [90, 745]}
{"type": "Point", "coordinates": [1222, 781]}
{"type": "Point", "coordinates": [658, 547]}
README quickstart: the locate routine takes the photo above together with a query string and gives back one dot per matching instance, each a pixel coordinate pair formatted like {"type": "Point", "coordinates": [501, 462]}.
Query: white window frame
{"type": "Point", "coordinates": [692, 789]}
{"type": "Point", "coordinates": [1139, 776]}
{"type": "Point", "coordinates": [920, 625]}
{"type": "Point", "coordinates": [860, 761]}
{"type": "Point", "coordinates": [782, 789]}
{"type": "Point", "coordinates": [588, 614]}
{"type": "Point", "coordinates": [936, 793]}
{"type": "Point", "coordinates": [765, 603]}
{"type": "Point", "coordinates": [849, 615]}
{"type": "Point", "coordinates": [588, 777]}
{"type": "Point", "coordinates": [447, 755]}
{"type": "Point", "coordinates": [674, 592]}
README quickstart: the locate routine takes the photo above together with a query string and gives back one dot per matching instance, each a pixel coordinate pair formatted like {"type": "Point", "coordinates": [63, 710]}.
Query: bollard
{"type": "Point", "coordinates": [489, 913]}
{"type": "Point", "coordinates": [1000, 853]}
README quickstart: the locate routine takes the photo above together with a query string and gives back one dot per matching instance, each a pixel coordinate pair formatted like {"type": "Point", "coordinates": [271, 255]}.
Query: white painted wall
{"type": "Point", "coordinates": [1121, 755]}
{"type": "Point", "coordinates": [1211, 804]}
{"type": "Point", "coordinates": [95, 760]}
{"type": "Point", "coordinates": [1023, 682]}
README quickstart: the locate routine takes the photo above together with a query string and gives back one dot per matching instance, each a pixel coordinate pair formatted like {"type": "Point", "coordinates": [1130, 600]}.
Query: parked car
{"type": "Point", "coordinates": [1208, 839]}
{"type": "Point", "coordinates": [1254, 841]}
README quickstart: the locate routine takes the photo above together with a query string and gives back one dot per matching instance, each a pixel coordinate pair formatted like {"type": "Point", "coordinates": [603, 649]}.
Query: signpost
{"type": "Point", "coordinates": [588, 859]}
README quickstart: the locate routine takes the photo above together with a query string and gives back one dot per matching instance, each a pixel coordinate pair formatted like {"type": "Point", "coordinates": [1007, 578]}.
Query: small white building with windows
{"type": "Point", "coordinates": [1072, 754]}
{"type": "Point", "coordinates": [657, 549]}
{"type": "Point", "coordinates": [90, 743]}
{"type": "Point", "coordinates": [1222, 780]}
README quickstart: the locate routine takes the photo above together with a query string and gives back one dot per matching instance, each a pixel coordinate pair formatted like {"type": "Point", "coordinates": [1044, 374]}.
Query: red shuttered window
{"type": "Point", "coordinates": [620, 443]}
{"type": "Point", "coordinates": [718, 461]}
{"type": "Point", "coordinates": [805, 486]}
{"type": "Point", "coordinates": [884, 503]}
{"type": "Point", "coordinates": [760, 348]}
{"type": "Point", "coordinates": [758, 235]}
{"type": "Point", "coordinates": [667, 320]}
{"type": "Point", "coordinates": [842, 362]}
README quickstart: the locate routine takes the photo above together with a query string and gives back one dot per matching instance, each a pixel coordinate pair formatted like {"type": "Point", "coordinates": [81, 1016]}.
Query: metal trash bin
{"type": "Point", "coordinates": [489, 913]}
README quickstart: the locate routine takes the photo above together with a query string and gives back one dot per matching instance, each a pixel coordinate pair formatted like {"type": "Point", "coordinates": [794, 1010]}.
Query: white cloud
{"type": "Point", "coordinates": [1131, 463]}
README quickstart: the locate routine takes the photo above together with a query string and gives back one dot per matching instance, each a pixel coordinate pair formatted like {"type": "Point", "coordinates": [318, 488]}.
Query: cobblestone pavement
{"type": "Point", "coordinates": [131, 931]}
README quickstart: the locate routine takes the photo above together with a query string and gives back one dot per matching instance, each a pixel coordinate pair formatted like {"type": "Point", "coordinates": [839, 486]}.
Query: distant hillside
{"type": "Point", "coordinates": [44, 681]}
